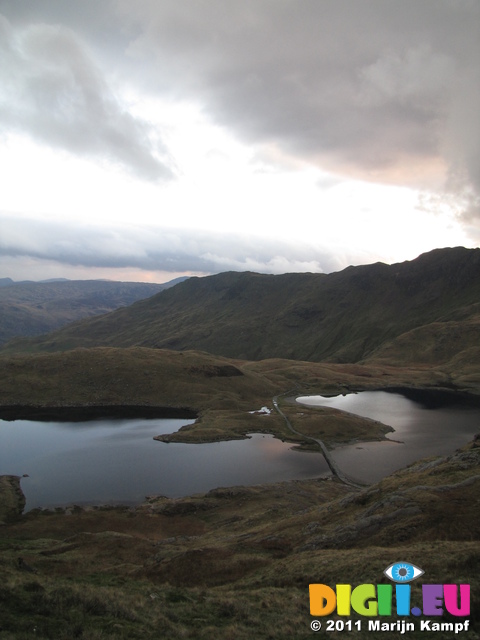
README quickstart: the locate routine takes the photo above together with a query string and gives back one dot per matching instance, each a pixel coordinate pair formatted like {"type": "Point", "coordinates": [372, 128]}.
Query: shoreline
{"type": "Point", "coordinates": [83, 413]}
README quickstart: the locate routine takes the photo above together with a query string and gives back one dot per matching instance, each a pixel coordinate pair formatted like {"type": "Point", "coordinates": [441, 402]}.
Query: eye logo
{"type": "Point", "coordinates": [380, 599]}
{"type": "Point", "coordinates": [403, 572]}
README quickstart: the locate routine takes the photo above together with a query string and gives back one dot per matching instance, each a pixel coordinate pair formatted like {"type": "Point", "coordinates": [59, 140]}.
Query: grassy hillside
{"type": "Point", "coordinates": [221, 392]}
{"type": "Point", "coordinates": [33, 308]}
{"type": "Point", "coordinates": [235, 564]}
{"type": "Point", "coordinates": [339, 317]}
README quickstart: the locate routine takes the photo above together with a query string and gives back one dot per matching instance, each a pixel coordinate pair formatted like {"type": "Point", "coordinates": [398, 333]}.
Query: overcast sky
{"type": "Point", "coordinates": [149, 139]}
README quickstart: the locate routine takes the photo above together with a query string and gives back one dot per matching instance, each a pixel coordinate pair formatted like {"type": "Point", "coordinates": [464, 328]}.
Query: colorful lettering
{"type": "Point", "coordinates": [361, 595]}
{"type": "Point", "coordinates": [432, 599]}
{"type": "Point", "coordinates": [344, 592]}
{"type": "Point", "coordinates": [372, 600]}
{"type": "Point", "coordinates": [402, 592]}
{"type": "Point", "coordinates": [322, 600]}
{"type": "Point", "coordinates": [384, 596]}
{"type": "Point", "coordinates": [450, 592]}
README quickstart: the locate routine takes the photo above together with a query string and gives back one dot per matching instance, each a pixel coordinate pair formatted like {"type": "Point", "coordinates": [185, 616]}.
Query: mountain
{"type": "Point", "coordinates": [32, 308]}
{"type": "Point", "coordinates": [237, 562]}
{"type": "Point", "coordinates": [339, 317]}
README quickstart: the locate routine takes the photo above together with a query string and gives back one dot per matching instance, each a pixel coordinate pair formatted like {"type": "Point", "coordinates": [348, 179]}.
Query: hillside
{"type": "Point", "coordinates": [34, 308]}
{"type": "Point", "coordinates": [236, 562]}
{"type": "Point", "coordinates": [222, 393]}
{"type": "Point", "coordinates": [340, 317]}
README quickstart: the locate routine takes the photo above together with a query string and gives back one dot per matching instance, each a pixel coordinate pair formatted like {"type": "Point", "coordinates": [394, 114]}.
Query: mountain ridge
{"type": "Point", "coordinates": [346, 316]}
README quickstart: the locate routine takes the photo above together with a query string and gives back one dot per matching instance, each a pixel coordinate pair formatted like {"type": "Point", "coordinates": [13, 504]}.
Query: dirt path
{"type": "Point", "coordinates": [337, 472]}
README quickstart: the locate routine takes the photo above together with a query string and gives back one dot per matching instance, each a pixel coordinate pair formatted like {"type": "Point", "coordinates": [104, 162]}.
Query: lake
{"type": "Point", "coordinates": [117, 461]}
{"type": "Point", "coordinates": [422, 431]}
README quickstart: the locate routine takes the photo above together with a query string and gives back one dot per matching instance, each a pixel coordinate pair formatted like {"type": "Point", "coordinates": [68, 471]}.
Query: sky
{"type": "Point", "coordinates": [146, 140]}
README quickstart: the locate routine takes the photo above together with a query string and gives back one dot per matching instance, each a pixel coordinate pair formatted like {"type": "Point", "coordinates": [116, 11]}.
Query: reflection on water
{"type": "Point", "coordinates": [422, 431]}
{"type": "Point", "coordinates": [105, 461]}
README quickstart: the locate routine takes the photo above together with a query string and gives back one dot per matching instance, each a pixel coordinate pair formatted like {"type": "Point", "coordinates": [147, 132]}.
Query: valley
{"type": "Point", "coordinates": [235, 562]}
{"type": "Point", "coordinates": [34, 308]}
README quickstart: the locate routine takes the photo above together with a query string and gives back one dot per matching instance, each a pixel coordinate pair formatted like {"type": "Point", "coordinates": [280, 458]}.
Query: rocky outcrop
{"type": "Point", "coordinates": [426, 497]}
{"type": "Point", "coordinates": [12, 499]}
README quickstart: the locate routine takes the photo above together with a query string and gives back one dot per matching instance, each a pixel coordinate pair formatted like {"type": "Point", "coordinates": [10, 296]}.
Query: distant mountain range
{"type": "Point", "coordinates": [424, 310]}
{"type": "Point", "coordinates": [8, 282]}
{"type": "Point", "coordinates": [32, 308]}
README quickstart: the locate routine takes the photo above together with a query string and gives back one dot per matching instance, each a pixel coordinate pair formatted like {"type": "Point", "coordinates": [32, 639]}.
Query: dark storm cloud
{"type": "Point", "coordinates": [159, 249]}
{"type": "Point", "coordinates": [376, 87]}
{"type": "Point", "coordinates": [312, 74]}
{"type": "Point", "coordinates": [387, 90]}
{"type": "Point", "coordinates": [53, 91]}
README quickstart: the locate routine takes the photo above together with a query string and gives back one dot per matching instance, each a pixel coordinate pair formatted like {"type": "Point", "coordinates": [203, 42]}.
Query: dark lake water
{"type": "Point", "coordinates": [116, 461]}
{"type": "Point", "coordinates": [422, 431]}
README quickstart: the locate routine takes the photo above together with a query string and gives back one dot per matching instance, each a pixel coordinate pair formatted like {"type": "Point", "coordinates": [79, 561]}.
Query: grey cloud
{"type": "Point", "coordinates": [161, 249]}
{"type": "Point", "coordinates": [377, 88]}
{"type": "Point", "coordinates": [373, 87]}
{"type": "Point", "coordinates": [53, 91]}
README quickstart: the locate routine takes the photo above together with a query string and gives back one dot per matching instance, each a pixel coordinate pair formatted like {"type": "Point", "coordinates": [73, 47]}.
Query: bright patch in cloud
{"type": "Point", "coordinates": [166, 138]}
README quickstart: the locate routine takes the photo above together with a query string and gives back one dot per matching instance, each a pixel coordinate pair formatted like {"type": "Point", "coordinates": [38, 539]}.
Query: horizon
{"type": "Point", "coordinates": [164, 140]}
{"type": "Point", "coordinates": [206, 275]}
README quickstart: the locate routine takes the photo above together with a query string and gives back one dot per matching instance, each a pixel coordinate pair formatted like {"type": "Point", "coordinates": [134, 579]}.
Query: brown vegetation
{"type": "Point", "coordinates": [236, 562]}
